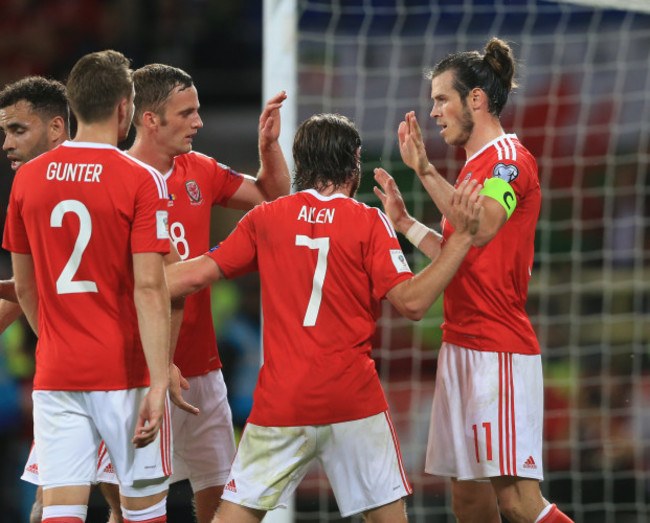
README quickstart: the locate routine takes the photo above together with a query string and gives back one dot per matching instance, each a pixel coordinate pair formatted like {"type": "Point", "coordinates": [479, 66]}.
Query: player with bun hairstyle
{"type": "Point", "coordinates": [487, 415]}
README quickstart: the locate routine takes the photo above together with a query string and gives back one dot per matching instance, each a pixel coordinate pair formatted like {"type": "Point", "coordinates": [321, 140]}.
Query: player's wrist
{"type": "Point", "coordinates": [461, 237]}
{"type": "Point", "coordinates": [416, 233]}
{"type": "Point", "coordinates": [426, 170]}
{"type": "Point", "coordinates": [403, 223]}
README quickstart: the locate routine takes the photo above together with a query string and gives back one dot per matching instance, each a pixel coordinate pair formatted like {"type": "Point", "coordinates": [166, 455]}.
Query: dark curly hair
{"type": "Point", "coordinates": [326, 152]}
{"type": "Point", "coordinates": [46, 96]}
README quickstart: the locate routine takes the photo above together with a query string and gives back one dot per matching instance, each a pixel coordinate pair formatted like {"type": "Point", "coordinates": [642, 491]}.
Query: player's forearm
{"type": "Point", "coordinates": [28, 302]}
{"type": "Point", "coordinates": [177, 305]}
{"type": "Point", "coordinates": [414, 297]}
{"type": "Point", "coordinates": [8, 290]}
{"type": "Point", "coordinates": [273, 178]}
{"type": "Point", "coordinates": [190, 276]}
{"type": "Point", "coordinates": [153, 308]}
{"type": "Point", "coordinates": [437, 187]}
{"type": "Point", "coordinates": [25, 286]}
{"type": "Point", "coordinates": [9, 312]}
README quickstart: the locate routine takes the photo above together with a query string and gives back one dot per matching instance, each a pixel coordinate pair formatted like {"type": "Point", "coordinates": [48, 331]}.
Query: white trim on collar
{"type": "Point", "coordinates": [490, 144]}
{"type": "Point", "coordinates": [321, 197]}
{"type": "Point", "coordinates": [88, 145]}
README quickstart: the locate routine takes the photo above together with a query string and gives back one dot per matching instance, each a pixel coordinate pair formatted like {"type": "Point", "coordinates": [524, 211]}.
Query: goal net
{"type": "Point", "coordinates": [583, 109]}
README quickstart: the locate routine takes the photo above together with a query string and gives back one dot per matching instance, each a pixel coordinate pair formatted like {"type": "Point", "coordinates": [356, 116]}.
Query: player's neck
{"type": "Point", "coordinates": [484, 132]}
{"type": "Point", "coordinates": [151, 155]}
{"type": "Point", "coordinates": [330, 190]}
{"type": "Point", "coordinates": [97, 133]}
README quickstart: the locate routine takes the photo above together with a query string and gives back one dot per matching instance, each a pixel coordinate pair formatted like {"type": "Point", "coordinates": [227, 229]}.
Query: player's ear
{"type": "Point", "coordinates": [123, 109]}
{"type": "Point", "coordinates": [477, 97]}
{"type": "Point", "coordinates": [56, 129]}
{"type": "Point", "coordinates": [150, 119]}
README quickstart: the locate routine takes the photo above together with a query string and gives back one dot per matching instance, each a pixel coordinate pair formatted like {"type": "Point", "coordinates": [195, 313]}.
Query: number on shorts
{"type": "Point", "coordinates": [488, 441]}
{"type": "Point", "coordinates": [64, 283]}
{"type": "Point", "coordinates": [323, 246]}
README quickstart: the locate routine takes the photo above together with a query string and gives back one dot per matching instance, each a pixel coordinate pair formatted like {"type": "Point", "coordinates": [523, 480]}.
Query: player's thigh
{"type": "Point", "coordinates": [204, 445]}
{"type": "Point", "coordinates": [269, 465]}
{"type": "Point", "coordinates": [363, 463]}
{"type": "Point", "coordinates": [65, 439]}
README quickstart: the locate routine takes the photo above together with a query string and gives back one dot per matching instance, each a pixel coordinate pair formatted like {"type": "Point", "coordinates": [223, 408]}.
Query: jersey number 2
{"type": "Point", "coordinates": [323, 246]}
{"type": "Point", "coordinates": [64, 284]}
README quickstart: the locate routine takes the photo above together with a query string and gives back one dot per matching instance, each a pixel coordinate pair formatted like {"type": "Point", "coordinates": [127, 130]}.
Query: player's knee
{"type": "Point", "coordinates": [474, 505]}
{"type": "Point", "coordinates": [394, 512]}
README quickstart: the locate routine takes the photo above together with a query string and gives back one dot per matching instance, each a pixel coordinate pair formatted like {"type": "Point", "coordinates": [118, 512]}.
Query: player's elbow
{"type": "Point", "coordinates": [484, 235]}
{"type": "Point", "coordinates": [481, 240]}
{"type": "Point", "coordinates": [409, 300]}
{"type": "Point", "coordinates": [413, 309]}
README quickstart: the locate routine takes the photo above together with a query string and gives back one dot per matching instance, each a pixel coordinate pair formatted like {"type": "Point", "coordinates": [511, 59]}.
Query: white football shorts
{"type": "Point", "coordinates": [487, 415]}
{"type": "Point", "coordinates": [361, 458]}
{"type": "Point", "coordinates": [204, 445]}
{"type": "Point", "coordinates": [70, 425]}
{"type": "Point", "coordinates": [105, 470]}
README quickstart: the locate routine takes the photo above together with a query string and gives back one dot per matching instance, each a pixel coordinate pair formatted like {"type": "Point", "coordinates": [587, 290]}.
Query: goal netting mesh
{"type": "Point", "coordinates": [583, 109]}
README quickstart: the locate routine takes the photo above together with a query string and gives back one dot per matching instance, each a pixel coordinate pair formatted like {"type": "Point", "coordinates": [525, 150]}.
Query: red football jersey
{"type": "Point", "coordinates": [81, 211]}
{"type": "Point", "coordinates": [484, 302]}
{"type": "Point", "coordinates": [195, 184]}
{"type": "Point", "coordinates": [325, 263]}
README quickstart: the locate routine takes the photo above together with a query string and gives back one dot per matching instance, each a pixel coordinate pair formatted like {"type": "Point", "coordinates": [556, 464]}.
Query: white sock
{"type": "Point", "coordinates": [154, 511]}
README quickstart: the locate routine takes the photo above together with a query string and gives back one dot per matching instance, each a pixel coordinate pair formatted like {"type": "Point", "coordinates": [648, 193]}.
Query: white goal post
{"type": "Point", "coordinates": [583, 109]}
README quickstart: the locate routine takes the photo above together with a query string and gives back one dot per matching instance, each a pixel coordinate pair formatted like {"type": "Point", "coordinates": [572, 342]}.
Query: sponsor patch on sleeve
{"type": "Point", "coordinates": [162, 229]}
{"type": "Point", "coordinates": [399, 261]}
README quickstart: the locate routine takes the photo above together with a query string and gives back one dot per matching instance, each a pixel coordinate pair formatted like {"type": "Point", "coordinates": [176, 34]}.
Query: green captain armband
{"type": "Point", "coordinates": [502, 192]}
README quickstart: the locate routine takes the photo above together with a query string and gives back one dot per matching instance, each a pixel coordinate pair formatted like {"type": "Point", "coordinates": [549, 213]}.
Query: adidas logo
{"type": "Point", "coordinates": [530, 463]}
{"type": "Point", "coordinates": [108, 469]}
{"type": "Point", "coordinates": [33, 468]}
{"type": "Point", "coordinates": [231, 486]}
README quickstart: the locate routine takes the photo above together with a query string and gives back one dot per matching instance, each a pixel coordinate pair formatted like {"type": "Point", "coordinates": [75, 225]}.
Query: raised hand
{"type": "Point", "coordinates": [270, 124]}
{"type": "Point", "coordinates": [411, 145]}
{"type": "Point", "coordinates": [466, 206]}
{"type": "Point", "coordinates": [392, 200]}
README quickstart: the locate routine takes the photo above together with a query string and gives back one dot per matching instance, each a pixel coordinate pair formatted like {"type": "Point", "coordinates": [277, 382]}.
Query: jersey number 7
{"type": "Point", "coordinates": [323, 246]}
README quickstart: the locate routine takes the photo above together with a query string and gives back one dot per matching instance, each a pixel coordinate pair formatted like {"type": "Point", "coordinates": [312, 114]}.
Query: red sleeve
{"type": "Point", "coordinates": [149, 230]}
{"type": "Point", "coordinates": [237, 254]}
{"type": "Point", "coordinates": [15, 235]}
{"type": "Point", "coordinates": [386, 263]}
{"type": "Point", "coordinates": [225, 183]}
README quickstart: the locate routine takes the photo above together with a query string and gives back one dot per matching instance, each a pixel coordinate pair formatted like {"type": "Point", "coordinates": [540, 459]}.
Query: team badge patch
{"type": "Point", "coordinates": [194, 192]}
{"type": "Point", "coordinates": [507, 173]}
{"type": "Point", "coordinates": [399, 261]}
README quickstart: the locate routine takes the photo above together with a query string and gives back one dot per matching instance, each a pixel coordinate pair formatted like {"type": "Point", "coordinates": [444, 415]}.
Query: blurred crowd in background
{"type": "Point", "coordinates": [219, 43]}
{"type": "Point", "coordinates": [602, 422]}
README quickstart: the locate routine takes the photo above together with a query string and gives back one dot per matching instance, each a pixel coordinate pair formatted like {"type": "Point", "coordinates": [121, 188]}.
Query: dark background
{"type": "Point", "coordinates": [219, 43]}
